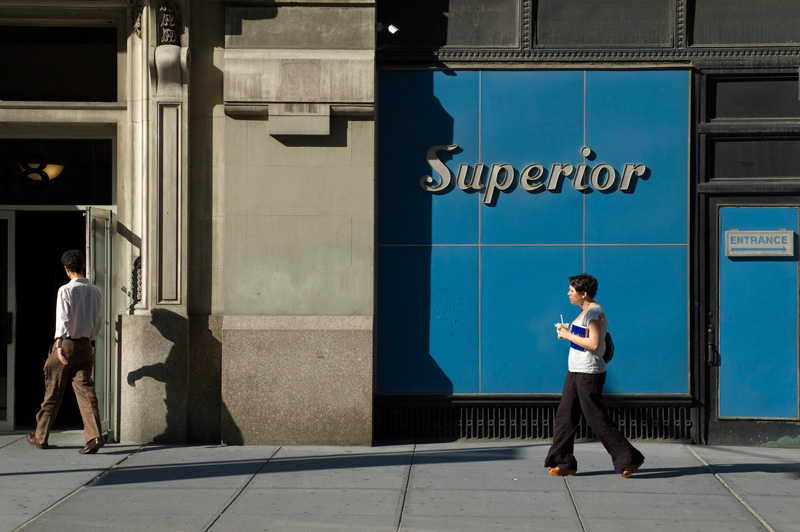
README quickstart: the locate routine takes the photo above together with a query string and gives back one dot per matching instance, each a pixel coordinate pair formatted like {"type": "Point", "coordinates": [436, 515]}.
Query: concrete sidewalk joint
{"type": "Point", "coordinates": [731, 490]}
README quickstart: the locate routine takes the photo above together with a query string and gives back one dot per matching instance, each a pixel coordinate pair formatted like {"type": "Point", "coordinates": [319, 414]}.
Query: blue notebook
{"type": "Point", "coordinates": [580, 331]}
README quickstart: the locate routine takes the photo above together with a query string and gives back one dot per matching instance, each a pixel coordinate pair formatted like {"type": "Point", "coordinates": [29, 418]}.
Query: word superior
{"type": "Point", "coordinates": [532, 178]}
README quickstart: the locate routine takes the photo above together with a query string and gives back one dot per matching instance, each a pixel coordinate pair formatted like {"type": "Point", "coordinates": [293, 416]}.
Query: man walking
{"type": "Point", "coordinates": [79, 317]}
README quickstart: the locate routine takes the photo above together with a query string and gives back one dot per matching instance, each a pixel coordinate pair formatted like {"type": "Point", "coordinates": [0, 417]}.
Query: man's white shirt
{"type": "Point", "coordinates": [79, 310]}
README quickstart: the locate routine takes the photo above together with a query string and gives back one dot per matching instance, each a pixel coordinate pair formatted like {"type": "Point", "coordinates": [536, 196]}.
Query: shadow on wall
{"type": "Point", "coordinates": [179, 400]}
{"type": "Point", "coordinates": [235, 17]}
{"type": "Point", "coordinates": [418, 331]}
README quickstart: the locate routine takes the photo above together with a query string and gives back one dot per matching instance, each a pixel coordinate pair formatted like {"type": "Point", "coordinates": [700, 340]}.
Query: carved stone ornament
{"type": "Point", "coordinates": [135, 293]}
{"type": "Point", "coordinates": [169, 22]}
{"type": "Point", "coordinates": [137, 7]}
{"type": "Point", "coordinates": [680, 24]}
{"type": "Point", "coordinates": [527, 23]}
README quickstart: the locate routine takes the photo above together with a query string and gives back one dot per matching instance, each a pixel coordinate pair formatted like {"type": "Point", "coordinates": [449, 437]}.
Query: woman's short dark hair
{"type": "Point", "coordinates": [74, 261]}
{"type": "Point", "coordinates": [584, 283]}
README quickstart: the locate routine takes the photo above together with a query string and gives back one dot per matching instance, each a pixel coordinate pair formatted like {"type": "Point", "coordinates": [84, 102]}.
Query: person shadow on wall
{"type": "Point", "coordinates": [172, 372]}
{"type": "Point", "coordinates": [192, 383]}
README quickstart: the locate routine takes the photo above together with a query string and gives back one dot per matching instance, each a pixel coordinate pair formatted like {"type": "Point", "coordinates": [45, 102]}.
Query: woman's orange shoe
{"type": "Point", "coordinates": [631, 470]}
{"type": "Point", "coordinates": [558, 472]}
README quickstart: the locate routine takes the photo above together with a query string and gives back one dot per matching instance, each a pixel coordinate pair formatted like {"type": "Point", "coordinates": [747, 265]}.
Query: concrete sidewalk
{"type": "Point", "coordinates": [462, 486]}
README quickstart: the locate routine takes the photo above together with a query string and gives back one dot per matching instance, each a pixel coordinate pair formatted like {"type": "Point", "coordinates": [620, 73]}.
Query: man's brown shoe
{"type": "Point", "coordinates": [92, 446]}
{"type": "Point", "coordinates": [558, 472]}
{"type": "Point", "coordinates": [36, 443]}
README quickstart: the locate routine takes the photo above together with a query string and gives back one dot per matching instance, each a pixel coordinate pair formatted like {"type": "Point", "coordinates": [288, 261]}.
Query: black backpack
{"type": "Point", "coordinates": [609, 354]}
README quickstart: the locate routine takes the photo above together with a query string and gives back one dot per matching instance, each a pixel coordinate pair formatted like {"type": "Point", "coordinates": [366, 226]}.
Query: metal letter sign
{"type": "Point", "coordinates": [759, 243]}
{"type": "Point", "coordinates": [602, 177]}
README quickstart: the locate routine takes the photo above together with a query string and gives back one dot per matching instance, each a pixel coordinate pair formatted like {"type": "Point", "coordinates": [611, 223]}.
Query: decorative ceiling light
{"type": "Point", "coordinates": [34, 168]}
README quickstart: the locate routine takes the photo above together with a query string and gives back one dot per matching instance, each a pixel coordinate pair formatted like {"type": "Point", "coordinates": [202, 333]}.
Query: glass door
{"type": "Point", "coordinates": [98, 271]}
{"type": "Point", "coordinates": [7, 314]}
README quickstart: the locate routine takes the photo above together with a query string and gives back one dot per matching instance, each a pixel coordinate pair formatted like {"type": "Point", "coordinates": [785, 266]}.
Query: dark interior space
{"type": "Point", "coordinates": [78, 171]}
{"type": "Point", "coordinates": [42, 237]}
{"type": "Point", "coordinates": [56, 63]}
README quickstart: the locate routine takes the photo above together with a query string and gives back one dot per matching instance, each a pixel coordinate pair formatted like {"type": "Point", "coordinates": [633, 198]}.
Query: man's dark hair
{"type": "Point", "coordinates": [74, 261]}
{"type": "Point", "coordinates": [584, 283]}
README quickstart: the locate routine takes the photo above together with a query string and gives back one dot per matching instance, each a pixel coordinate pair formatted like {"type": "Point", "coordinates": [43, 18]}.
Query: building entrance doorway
{"type": "Point", "coordinates": [754, 375]}
{"type": "Point", "coordinates": [32, 244]}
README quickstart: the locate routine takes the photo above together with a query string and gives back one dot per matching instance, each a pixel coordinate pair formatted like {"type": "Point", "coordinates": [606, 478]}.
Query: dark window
{"type": "Point", "coordinates": [433, 24]}
{"type": "Point", "coordinates": [617, 23]}
{"type": "Point", "coordinates": [756, 157]}
{"type": "Point", "coordinates": [55, 171]}
{"type": "Point", "coordinates": [745, 22]}
{"type": "Point", "coordinates": [58, 64]}
{"type": "Point", "coordinates": [754, 98]}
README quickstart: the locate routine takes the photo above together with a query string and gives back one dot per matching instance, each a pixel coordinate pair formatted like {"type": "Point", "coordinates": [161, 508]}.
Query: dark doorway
{"type": "Point", "coordinates": [41, 238]}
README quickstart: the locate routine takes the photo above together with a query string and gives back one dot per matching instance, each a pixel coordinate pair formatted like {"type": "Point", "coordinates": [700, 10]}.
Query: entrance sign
{"type": "Point", "coordinates": [532, 178]}
{"type": "Point", "coordinates": [759, 243]}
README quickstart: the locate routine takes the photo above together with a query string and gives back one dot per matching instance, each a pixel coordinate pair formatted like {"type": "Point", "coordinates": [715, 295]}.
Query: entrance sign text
{"type": "Point", "coordinates": [532, 178]}
{"type": "Point", "coordinates": [759, 243]}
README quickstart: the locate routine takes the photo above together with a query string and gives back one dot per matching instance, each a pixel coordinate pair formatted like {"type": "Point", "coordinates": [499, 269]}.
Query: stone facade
{"type": "Point", "coordinates": [278, 225]}
{"type": "Point", "coordinates": [242, 284]}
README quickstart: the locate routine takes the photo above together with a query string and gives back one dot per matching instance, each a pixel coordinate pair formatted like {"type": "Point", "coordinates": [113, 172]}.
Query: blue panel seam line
{"type": "Point", "coordinates": [480, 237]}
{"type": "Point", "coordinates": [584, 160]}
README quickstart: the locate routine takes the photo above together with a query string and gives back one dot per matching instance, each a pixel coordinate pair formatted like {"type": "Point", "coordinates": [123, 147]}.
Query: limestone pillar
{"type": "Point", "coordinates": [155, 338]}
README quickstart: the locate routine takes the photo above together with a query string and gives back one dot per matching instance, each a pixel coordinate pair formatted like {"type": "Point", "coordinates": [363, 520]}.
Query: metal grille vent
{"type": "Point", "coordinates": [395, 422]}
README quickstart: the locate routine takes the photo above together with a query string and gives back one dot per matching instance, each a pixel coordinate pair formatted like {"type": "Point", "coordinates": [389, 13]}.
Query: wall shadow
{"type": "Point", "coordinates": [405, 305]}
{"type": "Point", "coordinates": [205, 94]}
{"type": "Point", "coordinates": [271, 464]}
{"type": "Point", "coordinates": [205, 384]}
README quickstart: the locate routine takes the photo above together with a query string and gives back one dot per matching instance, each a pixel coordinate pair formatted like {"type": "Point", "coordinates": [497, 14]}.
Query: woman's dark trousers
{"type": "Point", "coordinates": [583, 392]}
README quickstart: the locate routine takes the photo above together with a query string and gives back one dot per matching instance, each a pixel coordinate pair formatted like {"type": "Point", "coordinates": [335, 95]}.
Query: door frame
{"type": "Point", "coordinates": [720, 430]}
{"type": "Point", "coordinates": [104, 346]}
{"type": "Point", "coordinates": [7, 425]}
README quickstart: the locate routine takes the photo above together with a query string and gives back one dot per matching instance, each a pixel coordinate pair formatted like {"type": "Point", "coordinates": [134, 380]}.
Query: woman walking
{"type": "Point", "coordinates": [583, 388]}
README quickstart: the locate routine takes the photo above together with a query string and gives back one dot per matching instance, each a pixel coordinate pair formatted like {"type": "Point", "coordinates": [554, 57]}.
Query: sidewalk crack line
{"type": "Point", "coordinates": [574, 504]}
{"type": "Point", "coordinates": [405, 491]}
{"type": "Point", "coordinates": [239, 492]}
{"type": "Point", "coordinates": [727, 487]}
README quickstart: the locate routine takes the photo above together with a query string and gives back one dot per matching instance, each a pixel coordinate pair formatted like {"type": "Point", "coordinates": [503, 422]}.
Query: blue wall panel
{"type": "Point", "coordinates": [639, 117]}
{"type": "Point", "coordinates": [523, 291]}
{"type": "Point", "coordinates": [758, 323]}
{"type": "Point", "coordinates": [428, 320]}
{"type": "Point", "coordinates": [467, 292]}
{"type": "Point", "coordinates": [419, 110]}
{"type": "Point", "coordinates": [526, 118]}
{"type": "Point", "coordinates": [643, 290]}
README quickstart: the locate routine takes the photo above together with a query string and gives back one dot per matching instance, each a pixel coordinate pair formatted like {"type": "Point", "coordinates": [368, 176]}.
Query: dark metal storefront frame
{"type": "Point", "coordinates": [711, 195]}
{"type": "Point", "coordinates": [650, 417]}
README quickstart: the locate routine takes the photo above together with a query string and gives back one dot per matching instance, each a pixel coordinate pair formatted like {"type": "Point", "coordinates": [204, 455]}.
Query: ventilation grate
{"type": "Point", "coordinates": [395, 422]}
